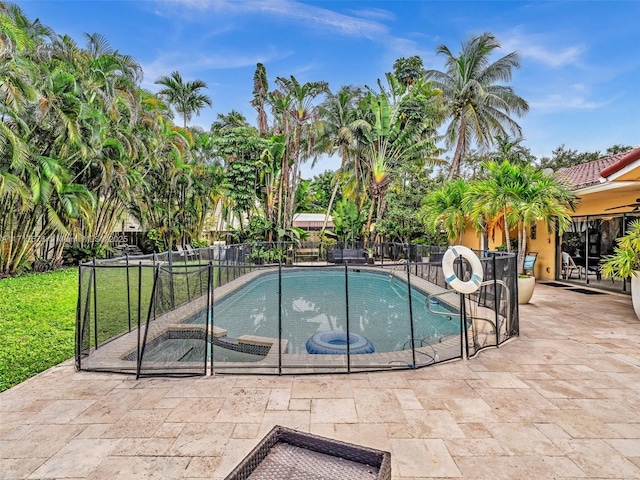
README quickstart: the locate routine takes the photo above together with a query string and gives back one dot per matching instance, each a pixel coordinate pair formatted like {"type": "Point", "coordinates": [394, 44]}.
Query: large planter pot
{"type": "Point", "coordinates": [525, 289]}
{"type": "Point", "coordinates": [635, 293]}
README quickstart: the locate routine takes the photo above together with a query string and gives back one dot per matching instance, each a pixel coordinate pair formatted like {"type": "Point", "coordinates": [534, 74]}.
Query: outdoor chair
{"type": "Point", "coordinates": [190, 251]}
{"type": "Point", "coordinates": [530, 261]}
{"type": "Point", "coordinates": [569, 266]}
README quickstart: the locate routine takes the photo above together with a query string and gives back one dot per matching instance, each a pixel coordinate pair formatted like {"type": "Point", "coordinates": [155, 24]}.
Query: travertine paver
{"type": "Point", "coordinates": [415, 457]}
{"type": "Point", "coordinates": [561, 401]}
{"type": "Point", "coordinates": [333, 410]}
{"type": "Point", "coordinates": [78, 458]}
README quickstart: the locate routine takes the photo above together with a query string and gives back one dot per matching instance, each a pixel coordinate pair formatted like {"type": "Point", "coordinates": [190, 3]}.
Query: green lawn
{"type": "Point", "coordinates": [37, 323]}
{"type": "Point", "coordinates": [38, 312]}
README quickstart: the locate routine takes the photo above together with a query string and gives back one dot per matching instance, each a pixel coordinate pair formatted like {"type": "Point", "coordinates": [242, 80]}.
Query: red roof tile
{"type": "Point", "coordinates": [589, 173]}
{"type": "Point", "coordinates": [627, 159]}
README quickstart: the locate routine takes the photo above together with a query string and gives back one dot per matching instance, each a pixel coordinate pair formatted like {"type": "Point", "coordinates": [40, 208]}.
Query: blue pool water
{"type": "Point", "coordinates": [315, 301]}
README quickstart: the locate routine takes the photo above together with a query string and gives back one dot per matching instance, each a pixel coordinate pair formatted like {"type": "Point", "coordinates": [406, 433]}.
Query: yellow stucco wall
{"type": "Point", "coordinates": [597, 203]}
{"type": "Point", "coordinates": [544, 244]}
{"type": "Point", "coordinates": [470, 239]}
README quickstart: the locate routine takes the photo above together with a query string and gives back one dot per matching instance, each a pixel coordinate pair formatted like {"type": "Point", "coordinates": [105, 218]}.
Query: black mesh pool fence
{"type": "Point", "coordinates": [280, 308]}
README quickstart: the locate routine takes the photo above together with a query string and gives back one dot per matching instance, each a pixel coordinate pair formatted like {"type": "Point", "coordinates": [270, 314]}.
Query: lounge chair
{"type": "Point", "coordinates": [569, 266]}
{"type": "Point", "coordinates": [190, 251]}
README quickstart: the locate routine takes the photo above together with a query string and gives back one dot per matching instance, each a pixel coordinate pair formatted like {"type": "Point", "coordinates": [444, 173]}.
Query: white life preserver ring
{"type": "Point", "coordinates": [450, 276]}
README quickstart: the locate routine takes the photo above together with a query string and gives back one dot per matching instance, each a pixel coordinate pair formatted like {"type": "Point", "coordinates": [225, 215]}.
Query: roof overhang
{"type": "Point", "coordinates": [631, 170]}
{"type": "Point", "coordinates": [603, 187]}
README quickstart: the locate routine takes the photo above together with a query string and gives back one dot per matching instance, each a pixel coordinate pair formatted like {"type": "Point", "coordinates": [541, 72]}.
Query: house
{"type": "Point", "coordinates": [609, 193]}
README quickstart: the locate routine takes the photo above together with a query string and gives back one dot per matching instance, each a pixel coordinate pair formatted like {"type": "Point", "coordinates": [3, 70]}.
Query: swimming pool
{"type": "Point", "coordinates": [233, 316]}
{"type": "Point", "coordinates": [315, 300]}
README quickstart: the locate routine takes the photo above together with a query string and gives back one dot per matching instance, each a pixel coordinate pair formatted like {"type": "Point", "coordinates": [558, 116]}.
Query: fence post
{"type": "Point", "coordinates": [208, 319]}
{"type": "Point", "coordinates": [279, 317]}
{"type": "Point", "coordinates": [413, 345]}
{"type": "Point", "coordinates": [79, 320]}
{"type": "Point", "coordinates": [95, 307]}
{"type": "Point", "coordinates": [210, 315]}
{"type": "Point", "coordinates": [346, 296]}
{"type": "Point", "coordinates": [463, 314]}
{"type": "Point", "coordinates": [495, 299]}
{"type": "Point", "coordinates": [186, 276]}
{"type": "Point", "coordinates": [226, 269]}
{"type": "Point", "coordinates": [139, 304]}
{"type": "Point", "coordinates": [152, 306]}
{"type": "Point", "coordinates": [86, 320]}
{"type": "Point", "coordinates": [126, 256]}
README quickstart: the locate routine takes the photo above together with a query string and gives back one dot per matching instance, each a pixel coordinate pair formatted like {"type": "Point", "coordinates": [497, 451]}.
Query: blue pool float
{"type": "Point", "coordinates": [335, 343]}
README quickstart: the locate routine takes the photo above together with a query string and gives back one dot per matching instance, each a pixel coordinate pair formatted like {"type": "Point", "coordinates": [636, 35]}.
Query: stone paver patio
{"type": "Point", "coordinates": [561, 401]}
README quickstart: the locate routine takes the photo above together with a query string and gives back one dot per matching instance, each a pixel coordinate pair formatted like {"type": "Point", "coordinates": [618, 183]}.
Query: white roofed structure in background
{"type": "Point", "coordinates": [311, 221]}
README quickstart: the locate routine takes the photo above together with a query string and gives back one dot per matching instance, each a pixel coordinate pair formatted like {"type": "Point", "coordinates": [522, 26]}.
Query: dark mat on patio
{"type": "Point", "coordinates": [585, 291]}
{"type": "Point", "coordinates": [554, 284]}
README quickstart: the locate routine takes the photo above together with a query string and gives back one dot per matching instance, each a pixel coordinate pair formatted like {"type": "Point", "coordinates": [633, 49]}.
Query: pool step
{"type": "Point", "coordinates": [257, 340]}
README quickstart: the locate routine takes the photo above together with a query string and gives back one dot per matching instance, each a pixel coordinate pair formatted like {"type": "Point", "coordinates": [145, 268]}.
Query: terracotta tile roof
{"type": "Point", "coordinates": [628, 158]}
{"type": "Point", "coordinates": [586, 174]}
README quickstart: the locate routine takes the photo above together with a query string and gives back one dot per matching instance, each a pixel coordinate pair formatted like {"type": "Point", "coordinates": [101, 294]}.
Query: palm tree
{"type": "Point", "coordinates": [520, 195]}
{"type": "Point", "coordinates": [337, 131]}
{"type": "Point", "coordinates": [111, 171]}
{"type": "Point", "coordinates": [380, 178]}
{"type": "Point", "coordinates": [270, 178]}
{"type": "Point", "coordinates": [391, 141]}
{"type": "Point", "coordinates": [80, 143]}
{"type": "Point", "coordinates": [17, 75]}
{"type": "Point", "coordinates": [260, 95]}
{"type": "Point", "coordinates": [184, 97]}
{"type": "Point", "coordinates": [479, 108]}
{"type": "Point", "coordinates": [225, 122]}
{"type": "Point", "coordinates": [445, 208]}
{"type": "Point", "coordinates": [297, 100]}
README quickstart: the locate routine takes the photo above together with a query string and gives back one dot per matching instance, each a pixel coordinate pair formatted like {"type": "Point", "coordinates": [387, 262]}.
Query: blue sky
{"type": "Point", "coordinates": [580, 59]}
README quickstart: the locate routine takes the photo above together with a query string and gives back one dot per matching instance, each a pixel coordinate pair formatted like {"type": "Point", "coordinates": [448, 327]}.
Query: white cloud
{"type": "Point", "coordinates": [556, 102]}
{"type": "Point", "coordinates": [577, 96]}
{"type": "Point", "coordinates": [374, 13]}
{"type": "Point", "coordinates": [364, 23]}
{"type": "Point", "coordinates": [566, 56]}
{"type": "Point", "coordinates": [287, 9]}
{"type": "Point", "coordinates": [188, 64]}
{"type": "Point", "coordinates": [404, 47]}
{"type": "Point", "coordinates": [536, 47]}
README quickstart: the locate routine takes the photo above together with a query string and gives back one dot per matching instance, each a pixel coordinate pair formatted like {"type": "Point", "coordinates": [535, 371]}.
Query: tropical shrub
{"type": "Point", "coordinates": [199, 243]}
{"type": "Point", "coordinates": [625, 261]}
{"type": "Point", "coordinates": [79, 252]}
{"type": "Point", "coordinates": [348, 221]}
{"type": "Point", "coordinates": [517, 196]}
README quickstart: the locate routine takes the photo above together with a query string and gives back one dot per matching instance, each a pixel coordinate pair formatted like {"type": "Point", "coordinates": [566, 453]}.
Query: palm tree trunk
{"type": "Point", "coordinates": [454, 171]}
{"type": "Point", "coordinates": [522, 247]}
{"type": "Point", "coordinates": [333, 197]}
{"type": "Point", "coordinates": [338, 176]}
{"type": "Point", "coordinates": [507, 239]}
{"type": "Point", "coordinates": [284, 178]}
{"type": "Point", "coordinates": [371, 210]}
